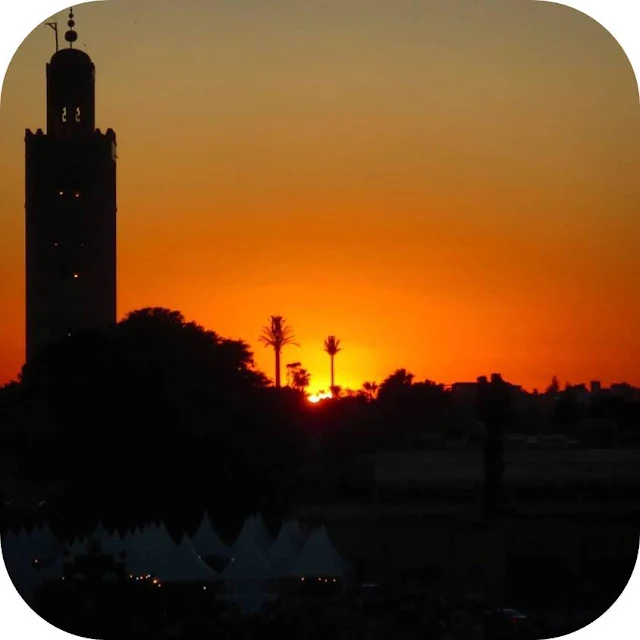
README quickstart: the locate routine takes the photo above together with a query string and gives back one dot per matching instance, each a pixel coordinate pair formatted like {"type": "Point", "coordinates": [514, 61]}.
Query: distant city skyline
{"type": "Point", "coordinates": [447, 188]}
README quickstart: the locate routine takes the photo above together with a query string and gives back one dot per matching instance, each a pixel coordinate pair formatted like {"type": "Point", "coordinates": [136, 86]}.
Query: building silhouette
{"type": "Point", "coordinates": [70, 208]}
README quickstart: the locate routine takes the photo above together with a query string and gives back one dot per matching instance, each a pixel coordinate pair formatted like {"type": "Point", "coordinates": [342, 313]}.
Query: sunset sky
{"type": "Point", "coordinates": [450, 187]}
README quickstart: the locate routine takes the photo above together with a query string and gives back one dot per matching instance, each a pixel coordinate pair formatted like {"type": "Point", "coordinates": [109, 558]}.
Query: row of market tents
{"type": "Point", "coordinates": [249, 571]}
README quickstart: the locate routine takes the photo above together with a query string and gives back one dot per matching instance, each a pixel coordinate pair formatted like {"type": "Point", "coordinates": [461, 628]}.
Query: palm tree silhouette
{"type": "Point", "coordinates": [370, 390]}
{"type": "Point", "coordinates": [332, 347]}
{"type": "Point", "coordinates": [277, 334]}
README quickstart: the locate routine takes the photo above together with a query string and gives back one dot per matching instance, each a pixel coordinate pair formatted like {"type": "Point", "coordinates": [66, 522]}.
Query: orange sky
{"type": "Point", "coordinates": [446, 186]}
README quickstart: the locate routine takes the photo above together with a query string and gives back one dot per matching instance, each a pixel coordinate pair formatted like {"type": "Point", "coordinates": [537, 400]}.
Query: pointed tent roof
{"type": "Point", "coordinates": [12, 543]}
{"type": "Point", "coordinates": [163, 539]}
{"type": "Point", "coordinates": [146, 551]}
{"type": "Point", "coordinates": [286, 549]}
{"type": "Point", "coordinates": [253, 529]}
{"type": "Point", "coordinates": [79, 546]}
{"type": "Point", "coordinates": [73, 548]}
{"type": "Point", "coordinates": [16, 554]}
{"type": "Point", "coordinates": [184, 565]}
{"type": "Point", "coordinates": [10, 538]}
{"type": "Point", "coordinates": [207, 542]}
{"type": "Point", "coordinates": [298, 536]}
{"type": "Point", "coordinates": [24, 542]}
{"type": "Point", "coordinates": [248, 561]}
{"type": "Point", "coordinates": [154, 540]}
{"type": "Point", "coordinates": [99, 533]}
{"type": "Point", "coordinates": [113, 545]}
{"type": "Point", "coordinates": [43, 542]}
{"type": "Point", "coordinates": [263, 533]}
{"type": "Point", "coordinates": [318, 558]}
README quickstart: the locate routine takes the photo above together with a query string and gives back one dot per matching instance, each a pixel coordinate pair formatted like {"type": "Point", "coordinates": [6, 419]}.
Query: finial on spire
{"type": "Point", "coordinates": [71, 36]}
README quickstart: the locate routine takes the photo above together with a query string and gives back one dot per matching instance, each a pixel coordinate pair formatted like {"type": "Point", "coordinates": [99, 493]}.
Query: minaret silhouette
{"type": "Point", "coordinates": [70, 208]}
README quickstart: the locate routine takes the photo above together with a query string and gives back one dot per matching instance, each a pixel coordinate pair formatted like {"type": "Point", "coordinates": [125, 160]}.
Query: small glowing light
{"type": "Point", "coordinates": [204, 588]}
{"type": "Point", "coordinates": [76, 275]}
{"type": "Point", "coordinates": [301, 579]}
{"type": "Point", "coordinates": [55, 244]}
{"type": "Point", "coordinates": [60, 193]}
{"type": "Point", "coordinates": [77, 194]}
{"type": "Point", "coordinates": [155, 582]}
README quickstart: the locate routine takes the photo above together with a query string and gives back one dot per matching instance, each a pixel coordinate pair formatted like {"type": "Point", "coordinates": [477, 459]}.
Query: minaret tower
{"type": "Point", "coordinates": [70, 208]}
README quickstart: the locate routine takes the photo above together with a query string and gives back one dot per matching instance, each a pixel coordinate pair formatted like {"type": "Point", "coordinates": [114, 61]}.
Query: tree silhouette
{"type": "Point", "coordinates": [297, 377]}
{"type": "Point", "coordinates": [554, 387]}
{"type": "Point", "coordinates": [160, 388]}
{"type": "Point", "coordinates": [370, 390]}
{"type": "Point", "coordinates": [291, 367]}
{"type": "Point", "coordinates": [332, 347]}
{"type": "Point", "coordinates": [301, 379]}
{"type": "Point", "coordinates": [397, 385]}
{"type": "Point", "coordinates": [277, 334]}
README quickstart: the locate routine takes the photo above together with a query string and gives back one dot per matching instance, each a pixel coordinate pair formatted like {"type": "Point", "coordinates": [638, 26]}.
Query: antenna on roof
{"type": "Point", "coordinates": [54, 26]}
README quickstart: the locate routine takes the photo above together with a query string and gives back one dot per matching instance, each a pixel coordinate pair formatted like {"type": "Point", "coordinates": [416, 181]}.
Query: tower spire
{"type": "Point", "coordinates": [71, 36]}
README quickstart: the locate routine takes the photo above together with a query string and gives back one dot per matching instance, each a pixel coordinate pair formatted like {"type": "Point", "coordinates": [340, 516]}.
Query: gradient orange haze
{"type": "Point", "coordinates": [449, 187]}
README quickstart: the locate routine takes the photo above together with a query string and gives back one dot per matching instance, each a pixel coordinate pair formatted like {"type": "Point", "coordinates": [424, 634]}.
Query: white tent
{"type": "Point", "coordinates": [99, 533]}
{"type": "Point", "coordinates": [264, 537]}
{"type": "Point", "coordinates": [249, 577]}
{"type": "Point", "coordinates": [113, 545]}
{"type": "Point", "coordinates": [287, 547]}
{"type": "Point", "coordinates": [207, 542]}
{"type": "Point", "coordinates": [183, 565]}
{"type": "Point", "coordinates": [146, 551]}
{"type": "Point", "coordinates": [253, 529]}
{"type": "Point", "coordinates": [163, 540]}
{"type": "Point", "coordinates": [319, 558]}
{"type": "Point", "coordinates": [154, 540]}
{"type": "Point", "coordinates": [18, 545]}
{"type": "Point", "coordinates": [9, 539]}
{"type": "Point", "coordinates": [78, 547]}
{"type": "Point", "coordinates": [43, 543]}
